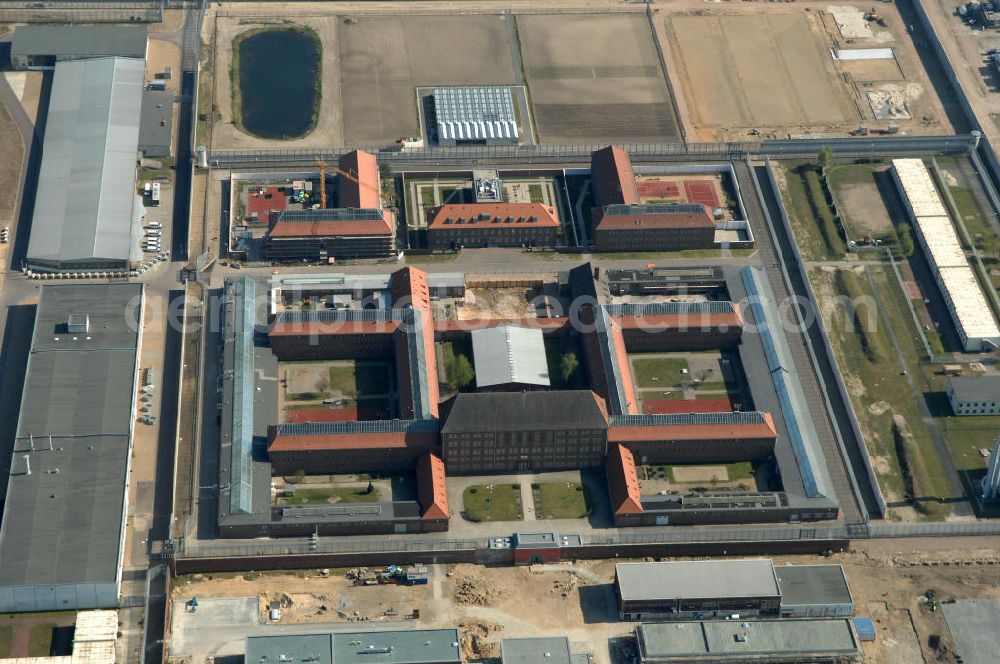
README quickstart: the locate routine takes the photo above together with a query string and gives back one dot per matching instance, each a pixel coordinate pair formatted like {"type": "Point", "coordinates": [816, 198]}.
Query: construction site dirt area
{"type": "Point", "coordinates": [781, 72]}
{"type": "Point", "coordinates": [508, 303]}
{"type": "Point", "coordinates": [383, 59]}
{"type": "Point", "coordinates": [595, 78]}
{"type": "Point", "coordinates": [900, 585]}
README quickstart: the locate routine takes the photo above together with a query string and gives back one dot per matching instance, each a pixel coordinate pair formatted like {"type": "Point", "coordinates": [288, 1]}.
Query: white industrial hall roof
{"type": "Point", "coordinates": [86, 184]}
{"type": "Point", "coordinates": [509, 354]}
{"type": "Point", "coordinates": [968, 304]}
{"type": "Point", "coordinates": [696, 579]}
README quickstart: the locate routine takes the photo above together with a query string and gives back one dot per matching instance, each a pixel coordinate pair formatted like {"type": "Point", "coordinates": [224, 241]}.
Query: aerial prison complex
{"type": "Point", "coordinates": [663, 215]}
{"type": "Point", "coordinates": [514, 420]}
{"type": "Point", "coordinates": [101, 118]}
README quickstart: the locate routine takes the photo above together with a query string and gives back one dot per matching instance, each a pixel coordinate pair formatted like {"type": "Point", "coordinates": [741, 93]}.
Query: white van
{"type": "Point", "coordinates": [154, 224]}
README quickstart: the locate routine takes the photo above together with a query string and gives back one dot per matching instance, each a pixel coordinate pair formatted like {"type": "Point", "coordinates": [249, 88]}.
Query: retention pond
{"type": "Point", "coordinates": [279, 82]}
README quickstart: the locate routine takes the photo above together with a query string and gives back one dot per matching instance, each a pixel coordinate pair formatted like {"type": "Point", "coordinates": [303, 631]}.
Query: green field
{"type": "Point", "coordinates": [561, 500]}
{"type": "Point", "coordinates": [812, 219]}
{"type": "Point", "coordinates": [324, 496]}
{"type": "Point", "coordinates": [6, 634]}
{"type": "Point", "coordinates": [493, 502]}
{"type": "Point", "coordinates": [360, 379]}
{"type": "Point", "coordinates": [879, 389]}
{"type": "Point", "coordinates": [665, 372]}
{"type": "Point", "coordinates": [40, 643]}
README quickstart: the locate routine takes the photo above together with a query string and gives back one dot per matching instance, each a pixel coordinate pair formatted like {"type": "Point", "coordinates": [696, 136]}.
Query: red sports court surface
{"type": "Point", "coordinates": [271, 199]}
{"type": "Point", "coordinates": [658, 189]}
{"type": "Point", "coordinates": [701, 191]}
{"type": "Point", "coordinates": [676, 406]}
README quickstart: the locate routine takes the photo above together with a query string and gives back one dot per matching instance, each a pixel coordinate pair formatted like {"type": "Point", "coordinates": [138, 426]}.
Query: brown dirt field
{"type": "Point", "coordinates": [765, 71]}
{"type": "Point", "coordinates": [872, 70]}
{"type": "Point", "coordinates": [161, 54]}
{"type": "Point", "coordinates": [11, 156]}
{"type": "Point", "coordinates": [595, 78]}
{"type": "Point", "coordinates": [385, 58]}
{"type": "Point", "coordinates": [774, 68]}
{"type": "Point", "coordinates": [864, 209]}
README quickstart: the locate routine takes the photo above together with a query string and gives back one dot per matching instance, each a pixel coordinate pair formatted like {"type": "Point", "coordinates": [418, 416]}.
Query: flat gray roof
{"type": "Point", "coordinates": [156, 123]}
{"type": "Point", "coordinates": [62, 522]}
{"type": "Point", "coordinates": [812, 584]}
{"type": "Point", "coordinates": [79, 41]}
{"type": "Point", "coordinates": [510, 354]}
{"type": "Point", "coordinates": [697, 579]}
{"type": "Point", "coordinates": [549, 650]}
{"type": "Point", "coordinates": [417, 646]}
{"type": "Point", "coordinates": [86, 183]}
{"type": "Point", "coordinates": [975, 388]}
{"type": "Point", "coordinates": [710, 640]}
{"type": "Point", "coordinates": [973, 624]}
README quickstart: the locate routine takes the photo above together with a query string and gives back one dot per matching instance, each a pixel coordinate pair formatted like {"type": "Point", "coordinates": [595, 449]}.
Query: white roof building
{"type": "Point", "coordinates": [510, 355]}
{"type": "Point", "coordinates": [84, 210]}
{"type": "Point", "coordinates": [969, 307]}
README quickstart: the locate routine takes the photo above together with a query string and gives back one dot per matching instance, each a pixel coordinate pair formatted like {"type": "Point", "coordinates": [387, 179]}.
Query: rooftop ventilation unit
{"type": "Point", "coordinates": [78, 324]}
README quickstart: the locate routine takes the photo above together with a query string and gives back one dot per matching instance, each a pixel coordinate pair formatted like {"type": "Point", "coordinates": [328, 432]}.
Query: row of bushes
{"type": "Point", "coordinates": [864, 316]}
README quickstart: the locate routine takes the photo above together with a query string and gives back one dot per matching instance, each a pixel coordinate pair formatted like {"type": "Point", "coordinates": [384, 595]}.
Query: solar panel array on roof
{"type": "Point", "coordinates": [619, 210]}
{"type": "Point", "coordinates": [340, 316]}
{"type": "Point", "coordinates": [688, 419]}
{"type": "Point", "coordinates": [639, 309]}
{"type": "Point", "coordinates": [332, 214]}
{"type": "Point", "coordinates": [357, 427]}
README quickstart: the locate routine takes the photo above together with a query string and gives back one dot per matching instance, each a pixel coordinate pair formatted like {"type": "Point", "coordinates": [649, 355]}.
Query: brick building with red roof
{"type": "Point", "coordinates": [620, 221]}
{"type": "Point", "coordinates": [454, 226]}
{"type": "Point", "coordinates": [359, 227]}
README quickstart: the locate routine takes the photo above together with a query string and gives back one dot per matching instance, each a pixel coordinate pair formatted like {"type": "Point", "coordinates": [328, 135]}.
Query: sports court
{"type": "Point", "coordinates": [681, 189]}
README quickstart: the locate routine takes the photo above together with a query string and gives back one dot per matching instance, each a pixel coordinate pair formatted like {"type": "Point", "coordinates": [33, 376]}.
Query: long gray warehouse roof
{"type": "Point", "coordinates": [86, 184]}
{"type": "Point", "coordinates": [62, 523]}
{"type": "Point", "coordinates": [696, 580]}
{"type": "Point", "coordinates": [753, 640]}
{"type": "Point", "coordinates": [69, 41]}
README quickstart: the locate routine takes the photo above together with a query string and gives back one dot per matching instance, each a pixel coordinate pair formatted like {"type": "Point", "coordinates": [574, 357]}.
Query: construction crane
{"type": "Point", "coordinates": [324, 166]}
{"type": "Point", "coordinates": [322, 180]}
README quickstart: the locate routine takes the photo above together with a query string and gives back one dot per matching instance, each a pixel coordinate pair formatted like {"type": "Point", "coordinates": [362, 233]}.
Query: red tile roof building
{"type": "Point", "coordinates": [623, 482]}
{"type": "Point", "coordinates": [432, 488]}
{"type": "Point", "coordinates": [471, 225]}
{"type": "Point", "coordinates": [358, 228]}
{"type": "Point", "coordinates": [416, 347]}
{"type": "Point", "coordinates": [347, 451]}
{"type": "Point", "coordinates": [612, 178]}
{"type": "Point", "coordinates": [621, 223]}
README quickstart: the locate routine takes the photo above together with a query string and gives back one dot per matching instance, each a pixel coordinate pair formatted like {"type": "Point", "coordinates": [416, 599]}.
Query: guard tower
{"type": "Point", "coordinates": [991, 482]}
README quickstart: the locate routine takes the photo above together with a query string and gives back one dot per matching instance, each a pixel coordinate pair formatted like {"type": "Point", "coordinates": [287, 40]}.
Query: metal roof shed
{"type": "Point", "coordinates": [86, 185]}
{"type": "Point", "coordinates": [696, 579]}
{"type": "Point", "coordinates": [510, 355]}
